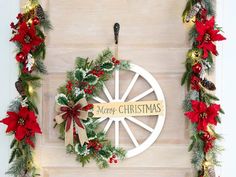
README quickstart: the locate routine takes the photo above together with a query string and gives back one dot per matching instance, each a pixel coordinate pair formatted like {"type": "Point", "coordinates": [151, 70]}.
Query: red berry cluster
{"type": "Point", "coordinates": [115, 61]}
{"type": "Point", "coordinates": [97, 73]}
{"type": "Point", "coordinates": [69, 86]}
{"type": "Point", "coordinates": [95, 145]}
{"type": "Point", "coordinates": [88, 107]}
{"type": "Point", "coordinates": [89, 89]}
{"type": "Point", "coordinates": [113, 159]}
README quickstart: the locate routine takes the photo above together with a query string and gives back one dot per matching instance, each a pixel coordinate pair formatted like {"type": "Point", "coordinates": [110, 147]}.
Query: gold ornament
{"type": "Point", "coordinates": [209, 170]}
{"type": "Point", "coordinates": [207, 164]}
{"type": "Point", "coordinates": [195, 55]}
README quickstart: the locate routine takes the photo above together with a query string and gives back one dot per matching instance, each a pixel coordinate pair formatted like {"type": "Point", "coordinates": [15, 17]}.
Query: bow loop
{"type": "Point", "coordinates": [73, 115]}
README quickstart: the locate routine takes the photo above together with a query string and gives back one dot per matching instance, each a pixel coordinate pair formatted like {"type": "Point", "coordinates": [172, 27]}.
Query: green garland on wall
{"type": "Point", "coordinates": [200, 103]}
{"type": "Point", "coordinates": [28, 35]}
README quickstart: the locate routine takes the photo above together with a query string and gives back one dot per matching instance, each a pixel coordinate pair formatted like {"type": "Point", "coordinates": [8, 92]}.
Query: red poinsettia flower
{"type": "Point", "coordinates": [23, 124]}
{"type": "Point", "coordinates": [203, 115]}
{"type": "Point", "coordinates": [207, 35]}
{"type": "Point", "coordinates": [27, 38]}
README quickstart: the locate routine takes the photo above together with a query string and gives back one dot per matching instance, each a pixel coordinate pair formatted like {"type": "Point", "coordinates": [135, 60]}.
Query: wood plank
{"type": "Point", "coordinates": [161, 156]}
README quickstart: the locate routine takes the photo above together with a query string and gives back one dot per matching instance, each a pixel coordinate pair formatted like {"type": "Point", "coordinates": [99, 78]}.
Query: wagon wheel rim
{"type": "Point", "coordinates": [154, 132]}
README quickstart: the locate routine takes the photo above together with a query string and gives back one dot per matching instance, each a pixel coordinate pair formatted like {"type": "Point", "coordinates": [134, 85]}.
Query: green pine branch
{"type": "Point", "coordinates": [40, 67]}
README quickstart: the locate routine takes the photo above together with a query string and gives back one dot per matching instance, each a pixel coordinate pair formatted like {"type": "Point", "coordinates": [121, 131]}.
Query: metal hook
{"type": "Point", "coordinates": [116, 32]}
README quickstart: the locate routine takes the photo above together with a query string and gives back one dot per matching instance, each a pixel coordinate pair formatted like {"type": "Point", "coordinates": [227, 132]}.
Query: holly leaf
{"type": "Point", "coordinates": [62, 99]}
{"type": "Point", "coordinates": [107, 66]}
{"type": "Point", "coordinates": [91, 79]}
{"type": "Point", "coordinates": [79, 97]}
{"type": "Point", "coordinates": [79, 74]}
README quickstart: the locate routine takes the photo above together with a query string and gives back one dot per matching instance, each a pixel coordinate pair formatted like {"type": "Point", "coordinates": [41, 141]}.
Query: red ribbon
{"type": "Point", "coordinates": [70, 115]}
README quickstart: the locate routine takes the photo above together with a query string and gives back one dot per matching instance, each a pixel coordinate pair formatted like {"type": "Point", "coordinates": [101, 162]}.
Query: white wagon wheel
{"type": "Point", "coordinates": [154, 132]}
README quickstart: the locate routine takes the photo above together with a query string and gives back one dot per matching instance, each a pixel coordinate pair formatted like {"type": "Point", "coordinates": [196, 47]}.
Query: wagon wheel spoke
{"type": "Point", "coordinates": [141, 124]}
{"type": "Point", "coordinates": [98, 99]}
{"type": "Point", "coordinates": [108, 125]}
{"type": "Point", "coordinates": [140, 96]}
{"type": "Point", "coordinates": [131, 135]}
{"type": "Point", "coordinates": [131, 85]}
{"type": "Point", "coordinates": [117, 133]}
{"type": "Point", "coordinates": [101, 119]}
{"type": "Point", "coordinates": [107, 93]}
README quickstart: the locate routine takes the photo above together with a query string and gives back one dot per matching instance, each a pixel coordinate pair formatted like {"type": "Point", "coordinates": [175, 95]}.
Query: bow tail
{"type": "Point", "coordinates": [69, 138]}
{"type": "Point", "coordinates": [82, 134]}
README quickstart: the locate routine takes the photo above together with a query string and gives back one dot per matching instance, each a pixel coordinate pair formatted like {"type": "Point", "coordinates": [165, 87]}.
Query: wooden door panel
{"type": "Point", "coordinates": [152, 36]}
{"type": "Point", "coordinates": [86, 172]}
{"type": "Point", "coordinates": [88, 23]}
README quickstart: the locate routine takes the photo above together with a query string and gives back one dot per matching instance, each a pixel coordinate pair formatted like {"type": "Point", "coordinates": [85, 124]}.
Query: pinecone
{"type": "Point", "coordinates": [211, 172]}
{"type": "Point", "coordinates": [20, 88]}
{"type": "Point", "coordinates": [208, 84]}
{"type": "Point", "coordinates": [193, 11]}
{"type": "Point", "coordinates": [40, 12]}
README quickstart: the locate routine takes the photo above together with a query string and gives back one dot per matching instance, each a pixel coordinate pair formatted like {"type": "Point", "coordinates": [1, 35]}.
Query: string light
{"type": "Point", "coordinates": [207, 164]}
{"type": "Point", "coordinates": [30, 90]}
{"type": "Point", "coordinates": [209, 129]}
{"type": "Point", "coordinates": [30, 6]}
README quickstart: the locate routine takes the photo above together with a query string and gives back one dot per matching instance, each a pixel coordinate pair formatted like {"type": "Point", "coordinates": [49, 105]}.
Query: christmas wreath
{"type": "Point", "coordinates": [74, 118]}
{"type": "Point", "coordinates": [22, 124]}
{"type": "Point", "coordinates": [199, 105]}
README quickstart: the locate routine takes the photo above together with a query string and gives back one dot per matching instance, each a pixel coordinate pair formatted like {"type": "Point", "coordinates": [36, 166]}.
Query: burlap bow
{"type": "Point", "coordinates": [73, 115]}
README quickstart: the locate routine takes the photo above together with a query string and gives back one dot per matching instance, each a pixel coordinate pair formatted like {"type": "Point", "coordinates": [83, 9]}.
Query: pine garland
{"type": "Point", "coordinates": [199, 104]}
{"type": "Point", "coordinates": [28, 35]}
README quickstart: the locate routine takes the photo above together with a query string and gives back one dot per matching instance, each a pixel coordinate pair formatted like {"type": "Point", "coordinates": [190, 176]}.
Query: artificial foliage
{"type": "Point", "coordinates": [200, 105]}
{"type": "Point", "coordinates": [75, 115]}
{"type": "Point", "coordinates": [28, 33]}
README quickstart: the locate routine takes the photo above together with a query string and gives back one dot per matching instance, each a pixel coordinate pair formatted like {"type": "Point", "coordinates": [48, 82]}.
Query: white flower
{"type": "Point", "coordinates": [30, 62]}
{"type": "Point", "coordinates": [24, 103]}
{"type": "Point", "coordinates": [78, 91]}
